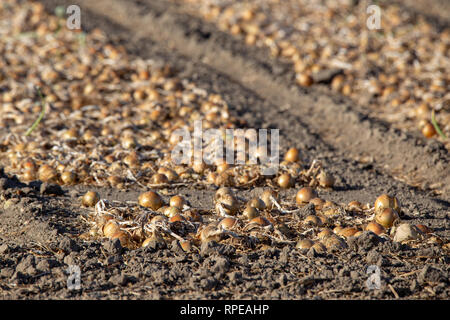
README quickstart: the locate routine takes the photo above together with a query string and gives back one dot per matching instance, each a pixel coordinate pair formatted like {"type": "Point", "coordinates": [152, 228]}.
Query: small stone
{"type": "Point", "coordinates": [6, 272]}
{"type": "Point", "coordinates": [31, 270]}
{"type": "Point", "coordinates": [69, 260]}
{"type": "Point", "coordinates": [243, 260]}
{"type": "Point", "coordinates": [235, 277]}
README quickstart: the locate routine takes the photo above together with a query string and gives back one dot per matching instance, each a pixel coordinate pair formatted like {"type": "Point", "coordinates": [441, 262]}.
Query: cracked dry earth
{"type": "Point", "coordinates": [114, 93]}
